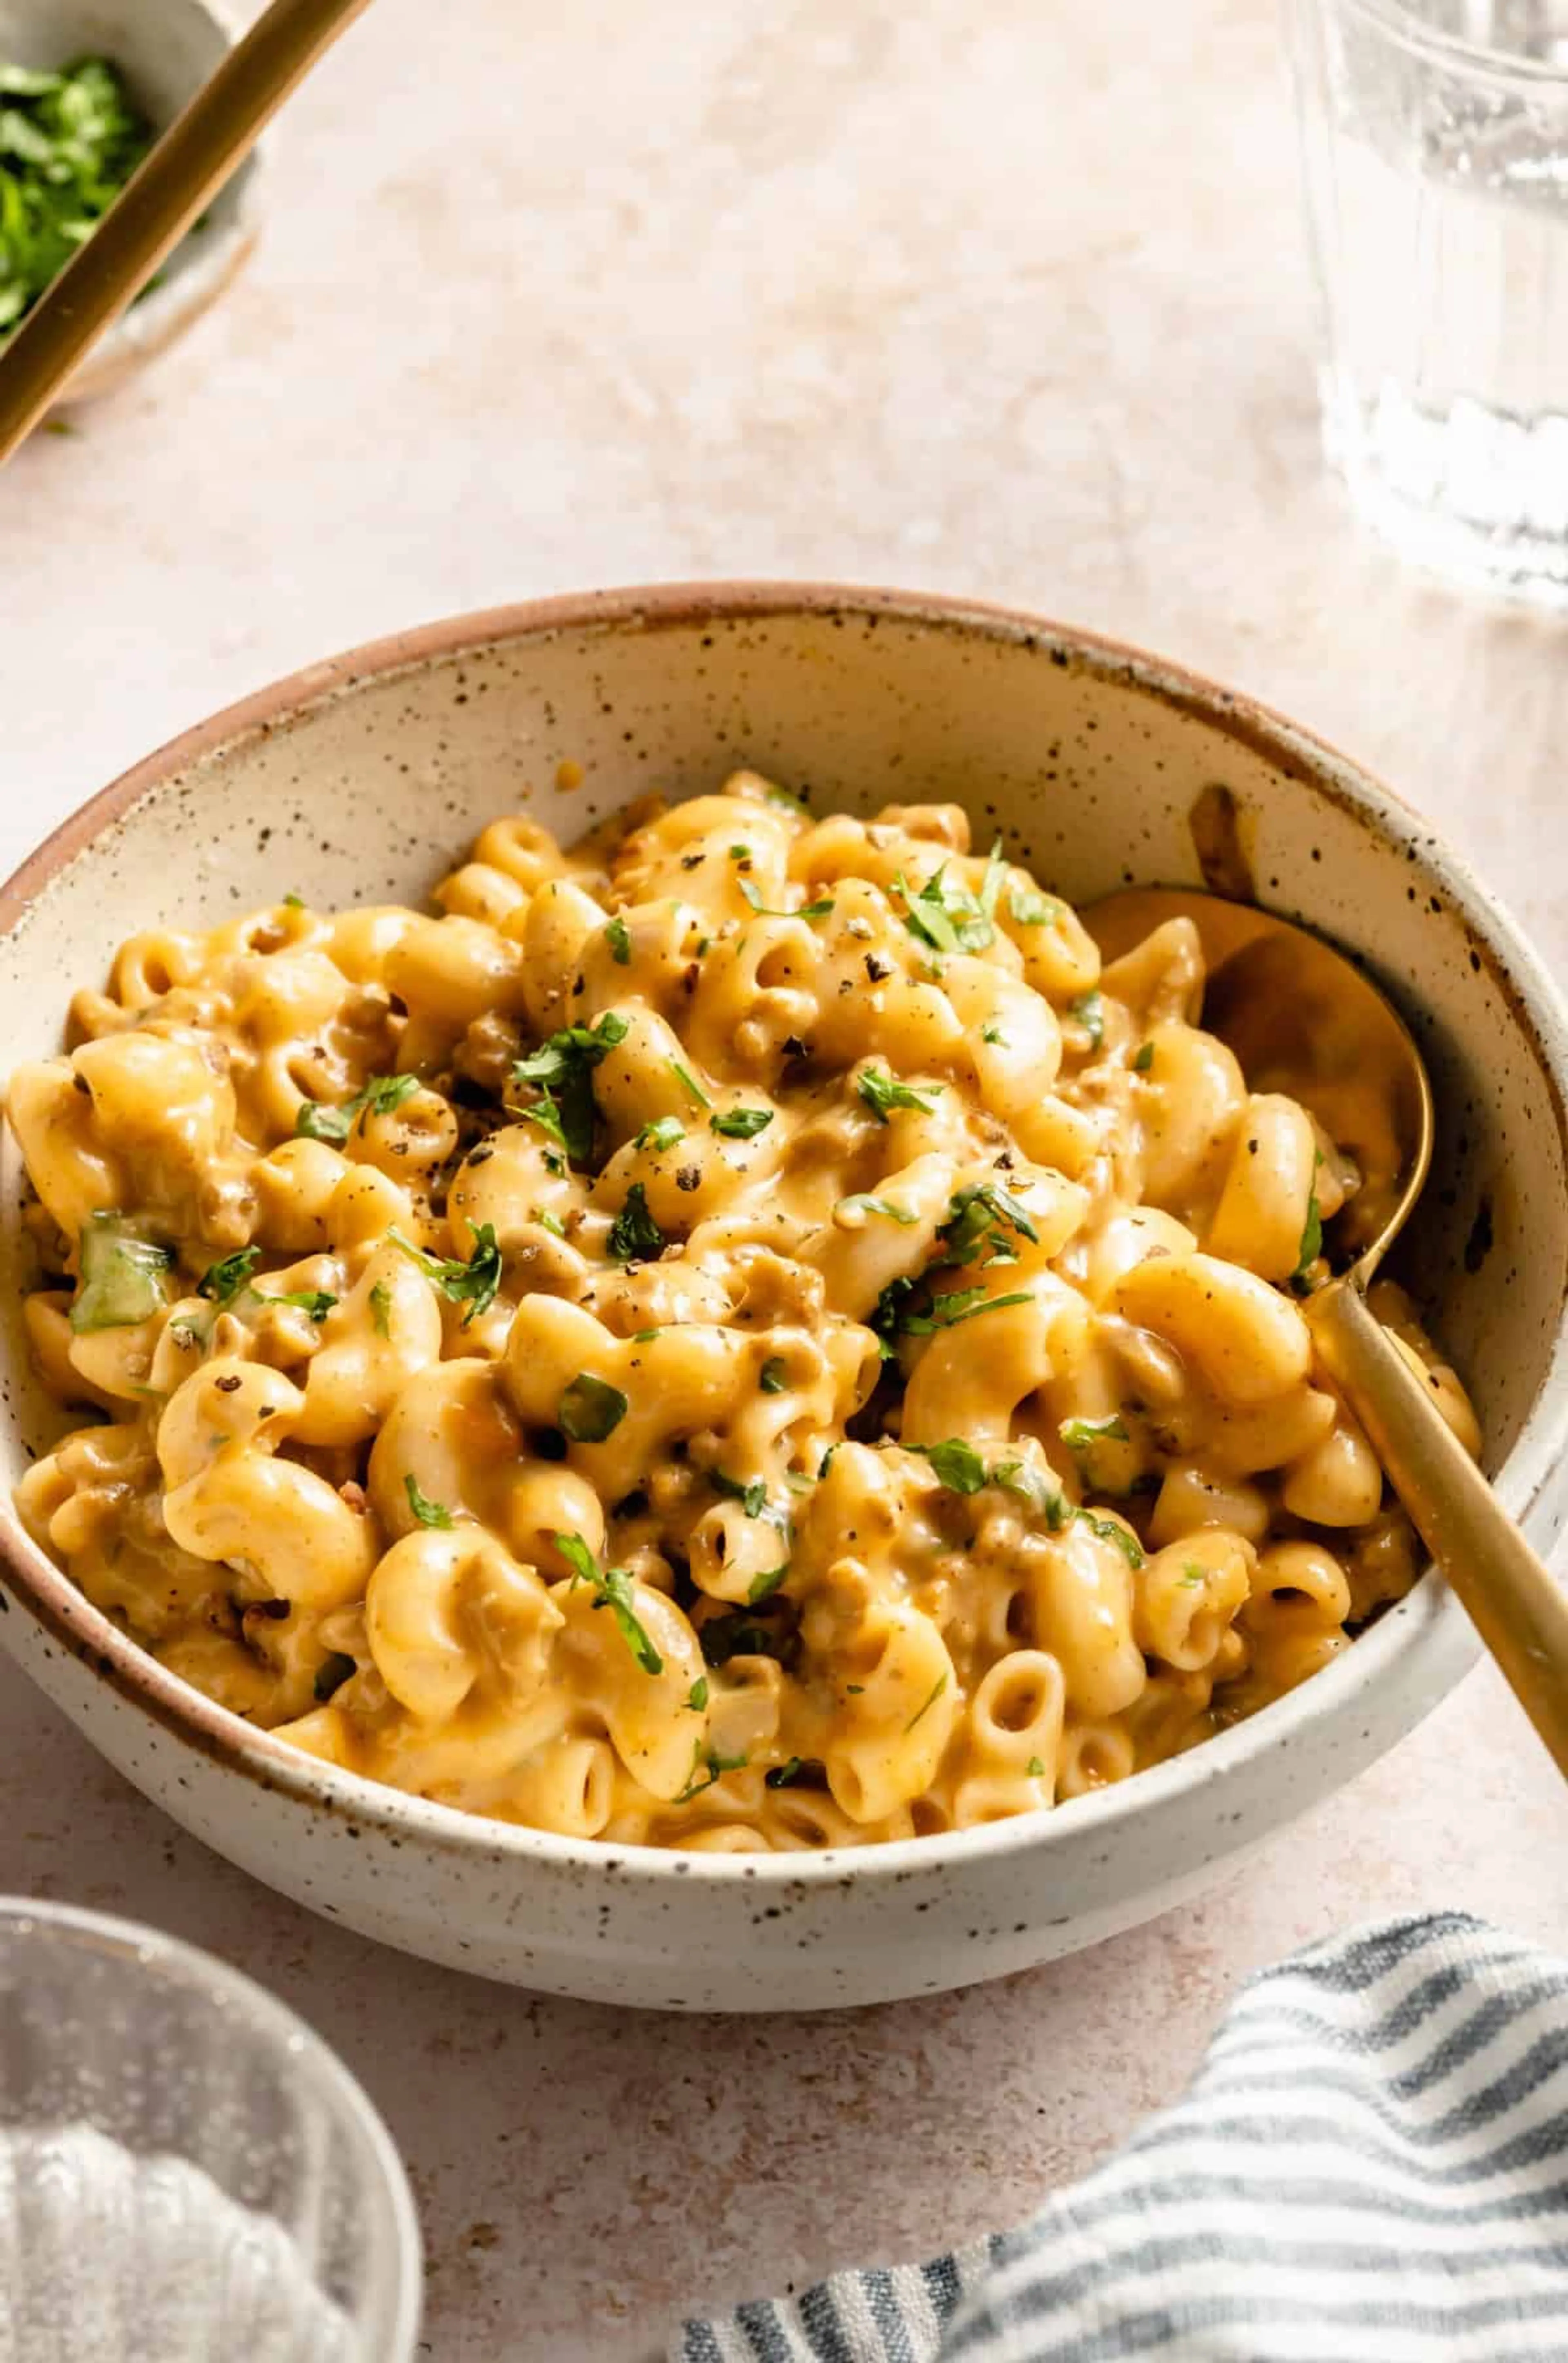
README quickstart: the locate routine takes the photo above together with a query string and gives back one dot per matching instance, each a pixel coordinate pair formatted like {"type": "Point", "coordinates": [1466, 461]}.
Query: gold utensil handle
{"type": "Point", "coordinates": [180, 176]}
{"type": "Point", "coordinates": [1515, 1603]}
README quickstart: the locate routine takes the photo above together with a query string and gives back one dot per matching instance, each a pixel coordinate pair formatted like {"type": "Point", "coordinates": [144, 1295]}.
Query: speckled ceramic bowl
{"type": "Point", "coordinates": [167, 50]}
{"type": "Point", "coordinates": [362, 779]}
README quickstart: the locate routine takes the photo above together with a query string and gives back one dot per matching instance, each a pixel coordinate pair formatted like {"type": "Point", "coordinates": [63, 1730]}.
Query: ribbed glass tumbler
{"type": "Point", "coordinates": [1435, 148]}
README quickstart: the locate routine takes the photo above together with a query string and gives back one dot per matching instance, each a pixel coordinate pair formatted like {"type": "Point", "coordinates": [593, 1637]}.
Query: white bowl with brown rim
{"type": "Point", "coordinates": [362, 779]}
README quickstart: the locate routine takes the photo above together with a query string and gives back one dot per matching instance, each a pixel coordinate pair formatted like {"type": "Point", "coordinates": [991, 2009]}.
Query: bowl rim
{"type": "Point", "coordinates": [1428, 1617]}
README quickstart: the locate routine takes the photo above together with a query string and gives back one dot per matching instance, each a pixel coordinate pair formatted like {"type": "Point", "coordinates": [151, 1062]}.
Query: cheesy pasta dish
{"type": "Point", "coordinates": [742, 1333]}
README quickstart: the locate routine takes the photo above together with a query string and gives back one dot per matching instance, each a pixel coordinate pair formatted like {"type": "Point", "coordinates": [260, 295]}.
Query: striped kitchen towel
{"type": "Point", "coordinates": [1371, 2166]}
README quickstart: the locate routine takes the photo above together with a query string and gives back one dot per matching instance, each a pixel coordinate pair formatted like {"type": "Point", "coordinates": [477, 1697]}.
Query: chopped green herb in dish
{"type": "Point", "coordinates": [68, 142]}
{"type": "Point", "coordinates": [428, 1512]}
{"type": "Point", "coordinates": [473, 1284]}
{"type": "Point", "coordinates": [123, 1275]}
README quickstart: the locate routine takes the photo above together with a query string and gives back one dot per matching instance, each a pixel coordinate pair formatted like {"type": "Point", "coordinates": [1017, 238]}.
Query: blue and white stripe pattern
{"type": "Point", "coordinates": [1370, 2167]}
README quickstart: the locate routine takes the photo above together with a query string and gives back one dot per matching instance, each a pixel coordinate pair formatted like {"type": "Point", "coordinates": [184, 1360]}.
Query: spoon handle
{"type": "Point", "coordinates": [179, 178]}
{"type": "Point", "coordinates": [1516, 1604]}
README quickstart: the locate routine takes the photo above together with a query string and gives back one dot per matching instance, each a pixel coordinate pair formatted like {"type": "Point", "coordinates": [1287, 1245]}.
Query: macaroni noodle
{"type": "Point", "coordinates": [738, 1335]}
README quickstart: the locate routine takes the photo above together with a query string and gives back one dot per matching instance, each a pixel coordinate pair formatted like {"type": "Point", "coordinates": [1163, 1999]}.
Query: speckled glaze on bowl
{"type": "Point", "coordinates": [362, 778]}
{"type": "Point", "coordinates": [166, 49]}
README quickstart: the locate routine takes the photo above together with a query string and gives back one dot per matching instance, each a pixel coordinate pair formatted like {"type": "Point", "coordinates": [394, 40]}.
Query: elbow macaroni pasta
{"type": "Point", "coordinates": [738, 1335]}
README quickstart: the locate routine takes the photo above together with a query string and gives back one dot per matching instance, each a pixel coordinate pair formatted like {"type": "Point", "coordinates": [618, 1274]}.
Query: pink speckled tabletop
{"type": "Point", "coordinates": [1008, 300]}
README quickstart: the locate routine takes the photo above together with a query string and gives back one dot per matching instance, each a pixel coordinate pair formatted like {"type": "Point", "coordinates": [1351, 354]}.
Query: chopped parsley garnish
{"type": "Point", "coordinates": [782, 1775]}
{"type": "Point", "coordinates": [122, 1276]}
{"type": "Point", "coordinates": [331, 1675]}
{"type": "Point", "coordinates": [1143, 1059]}
{"type": "Point", "coordinates": [225, 1284]}
{"type": "Point", "coordinates": [473, 1284]}
{"type": "Point", "coordinates": [773, 1377]}
{"type": "Point", "coordinates": [977, 1216]}
{"type": "Point", "coordinates": [961, 1470]}
{"type": "Point", "coordinates": [1111, 1530]}
{"type": "Point", "coordinates": [1312, 1245]}
{"type": "Point", "coordinates": [381, 1309]}
{"type": "Point", "coordinates": [862, 1205]}
{"type": "Point", "coordinates": [590, 1409]}
{"type": "Point", "coordinates": [1035, 1768]}
{"type": "Point", "coordinates": [1032, 909]}
{"type": "Point", "coordinates": [553, 1063]}
{"type": "Point", "coordinates": [317, 1301]}
{"type": "Point", "coordinates": [222, 1282]}
{"type": "Point", "coordinates": [788, 803]}
{"type": "Point", "coordinates": [579, 1557]}
{"type": "Point", "coordinates": [634, 1237]}
{"type": "Point", "coordinates": [697, 1697]}
{"type": "Point", "coordinates": [1017, 1477]}
{"type": "Point", "coordinates": [1088, 1008]}
{"type": "Point", "coordinates": [68, 142]}
{"type": "Point", "coordinates": [962, 1304]}
{"type": "Point", "coordinates": [741, 1123]}
{"type": "Point", "coordinates": [994, 1034]}
{"type": "Point", "coordinates": [947, 916]}
{"type": "Point", "coordinates": [882, 1093]}
{"type": "Point", "coordinates": [957, 1464]}
{"type": "Point", "coordinates": [807, 911]}
{"type": "Point", "coordinates": [921, 1712]}
{"type": "Point", "coordinates": [382, 1095]}
{"type": "Point", "coordinates": [561, 1072]}
{"type": "Point", "coordinates": [885, 1318]}
{"type": "Point", "coordinates": [612, 1589]}
{"type": "Point", "coordinates": [688, 1084]}
{"type": "Point", "coordinates": [549, 1222]}
{"type": "Point", "coordinates": [662, 1133]}
{"type": "Point", "coordinates": [428, 1512]}
{"type": "Point", "coordinates": [619, 941]}
{"type": "Point", "coordinates": [765, 1585]}
{"type": "Point", "coordinates": [315, 1120]}
{"type": "Point", "coordinates": [616, 1594]}
{"type": "Point", "coordinates": [1192, 1574]}
{"type": "Point", "coordinates": [1082, 1435]}
{"type": "Point", "coordinates": [292, 902]}
{"type": "Point", "coordinates": [707, 1765]}
{"type": "Point", "coordinates": [547, 1116]}
{"type": "Point", "coordinates": [752, 1496]}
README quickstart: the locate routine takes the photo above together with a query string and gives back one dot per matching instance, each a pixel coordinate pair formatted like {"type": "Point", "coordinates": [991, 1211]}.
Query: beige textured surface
{"type": "Point", "coordinates": [1008, 300]}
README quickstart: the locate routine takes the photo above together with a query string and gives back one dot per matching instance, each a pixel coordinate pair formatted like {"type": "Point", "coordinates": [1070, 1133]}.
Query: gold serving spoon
{"type": "Point", "coordinates": [176, 182]}
{"type": "Point", "coordinates": [1304, 1021]}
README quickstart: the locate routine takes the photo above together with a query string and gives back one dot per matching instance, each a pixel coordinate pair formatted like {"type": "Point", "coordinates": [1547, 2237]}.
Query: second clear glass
{"type": "Point", "coordinates": [1435, 147]}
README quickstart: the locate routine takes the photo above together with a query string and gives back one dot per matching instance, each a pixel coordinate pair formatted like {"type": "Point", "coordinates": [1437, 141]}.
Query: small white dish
{"type": "Point", "coordinates": [166, 48]}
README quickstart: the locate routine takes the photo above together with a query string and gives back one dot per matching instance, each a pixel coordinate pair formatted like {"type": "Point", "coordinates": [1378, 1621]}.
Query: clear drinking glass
{"type": "Point", "coordinates": [1435, 140]}
{"type": "Point", "coordinates": [185, 2171]}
